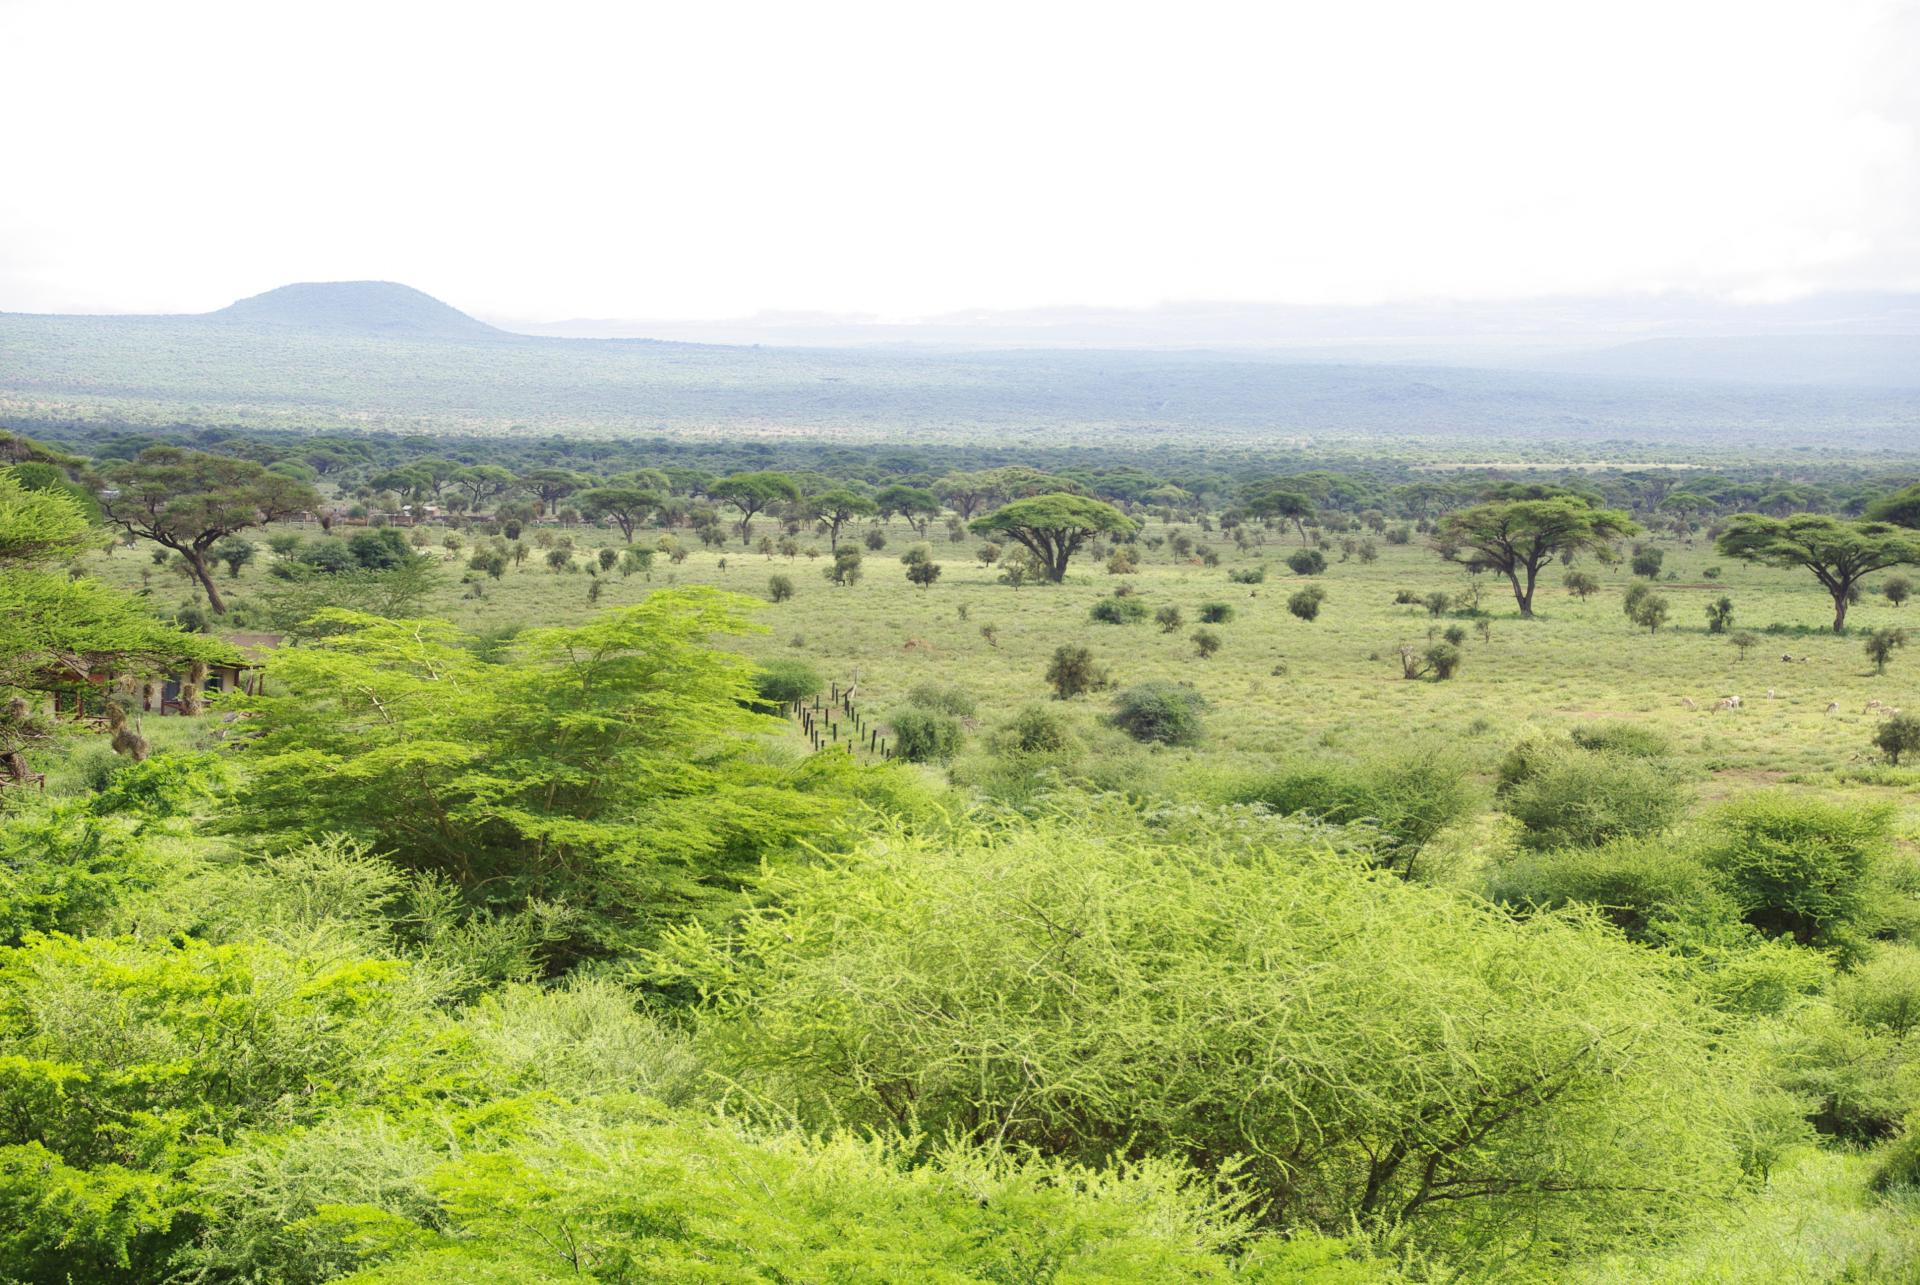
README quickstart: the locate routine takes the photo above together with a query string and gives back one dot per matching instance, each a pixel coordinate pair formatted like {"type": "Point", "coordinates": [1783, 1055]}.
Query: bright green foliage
{"type": "Point", "coordinates": [1839, 553]}
{"type": "Point", "coordinates": [52, 625]}
{"type": "Point", "coordinates": [1405, 798]}
{"type": "Point", "coordinates": [665, 1201]}
{"type": "Point", "coordinates": [1570, 797]}
{"type": "Point", "coordinates": [781, 682]}
{"type": "Point", "coordinates": [1643, 885]}
{"type": "Point", "coordinates": [1518, 537]}
{"type": "Point", "coordinates": [1053, 527]}
{"type": "Point", "coordinates": [38, 527]}
{"type": "Point", "coordinates": [1213, 987]}
{"type": "Point", "coordinates": [1798, 866]}
{"type": "Point", "coordinates": [67, 867]}
{"type": "Point", "coordinates": [602, 766]}
{"type": "Point", "coordinates": [124, 1064]}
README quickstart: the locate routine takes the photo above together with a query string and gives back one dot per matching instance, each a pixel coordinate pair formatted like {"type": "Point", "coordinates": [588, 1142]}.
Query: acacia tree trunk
{"type": "Point", "coordinates": [1840, 608]}
{"type": "Point", "coordinates": [1523, 592]}
{"type": "Point", "coordinates": [198, 561]}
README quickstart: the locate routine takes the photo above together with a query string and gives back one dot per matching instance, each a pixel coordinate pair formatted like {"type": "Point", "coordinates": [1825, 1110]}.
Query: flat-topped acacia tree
{"type": "Point", "coordinates": [1273, 500]}
{"type": "Point", "coordinates": [1839, 553]}
{"type": "Point", "coordinates": [1518, 537]}
{"type": "Point", "coordinates": [628, 506]}
{"type": "Point", "coordinates": [189, 501]}
{"type": "Point", "coordinates": [754, 493]}
{"type": "Point", "coordinates": [1053, 527]}
{"type": "Point", "coordinates": [835, 508]}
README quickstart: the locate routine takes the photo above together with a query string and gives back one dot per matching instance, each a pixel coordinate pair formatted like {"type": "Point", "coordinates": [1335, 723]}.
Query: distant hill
{"type": "Point", "coordinates": [371, 308]}
{"type": "Point", "coordinates": [1853, 361]}
{"type": "Point", "coordinates": [378, 355]}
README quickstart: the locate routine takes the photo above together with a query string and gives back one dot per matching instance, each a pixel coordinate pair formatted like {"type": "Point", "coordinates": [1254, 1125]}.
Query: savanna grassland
{"type": "Point", "coordinates": [1271, 899]}
{"type": "Point", "coordinates": [1278, 685]}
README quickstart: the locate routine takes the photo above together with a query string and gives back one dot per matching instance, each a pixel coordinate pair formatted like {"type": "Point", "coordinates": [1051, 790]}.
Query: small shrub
{"type": "Point", "coordinates": [926, 735]}
{"type": "Point", "coordinates": [1073, 672]}
{"type": "Point", "coordinates": [1443, 661]}
{"type": "Point", "coordinates": [1168, 618]}
{"type": "Point", "coordinates": [1798, 866]}
{"type": "Point", "coordinates": [1205, 643]}
{"type": "Point", "coordinates": [1651, 611]}
{"type": "Point", "coordinates": [1897, 736]}
{"type": "Point", "coordinates": [1216, 613]}
{"type": "Point", "coordinates": [1306, 562]}
{"type": "Point", "coordinates": [1566, 797]}
{"type": "Point", "coordinates": [1120, 610]}
{"type": "Point", "coordinates": [1640, 885]}
{"type": "Point", "coordinates": [1306, 602]}
{"type": "Point", "coordinates": [1160, 713]}
{"type": "Point", "coordinates": [780, 681]}
{"type": "Point", "coordinates": [1881, 644]}
{"type": "Point", "coordinates": [1035, 730]}
{"type": "Point", "coordinates": [779, 588]}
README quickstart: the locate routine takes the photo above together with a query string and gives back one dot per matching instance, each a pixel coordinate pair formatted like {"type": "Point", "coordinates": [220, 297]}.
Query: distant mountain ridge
{"type": "Point", "coordinates": [380, 355]}
{"type": "Point", "coordinates": [1864, 361]}
{"type": "Point", "coordinates": [371, 308]}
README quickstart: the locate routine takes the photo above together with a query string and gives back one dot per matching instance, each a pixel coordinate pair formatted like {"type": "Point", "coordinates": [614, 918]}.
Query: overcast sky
{"type": "Point", "coordinates": [545, 160]}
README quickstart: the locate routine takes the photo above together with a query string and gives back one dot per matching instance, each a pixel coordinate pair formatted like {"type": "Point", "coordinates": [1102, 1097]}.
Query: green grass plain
{"type": "Point", "coordinates": [1278, 685]}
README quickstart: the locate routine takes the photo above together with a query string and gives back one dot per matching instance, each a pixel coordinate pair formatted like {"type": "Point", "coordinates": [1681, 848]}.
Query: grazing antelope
{"type": "Point", "coordinates": [1833, 707]}
{"type": "Point", "coordinates": [1688, 702]}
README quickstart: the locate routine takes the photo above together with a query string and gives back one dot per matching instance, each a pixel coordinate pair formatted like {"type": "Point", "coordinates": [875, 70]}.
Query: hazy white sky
{"type": "Point", "coordinates": [547, 159]}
